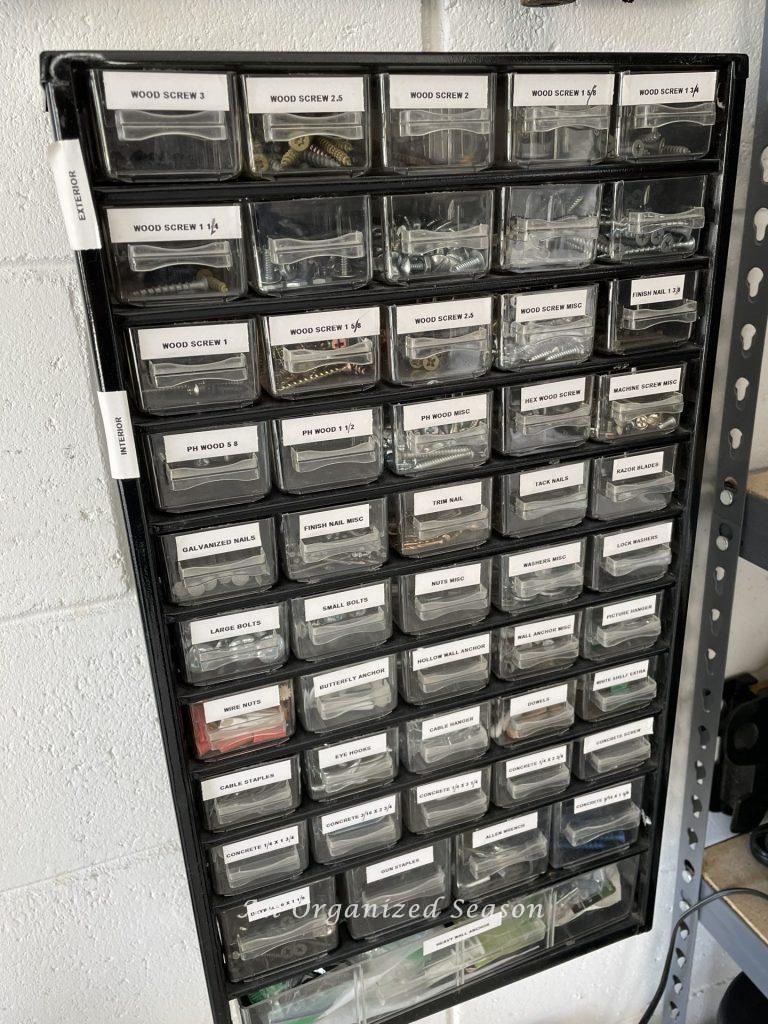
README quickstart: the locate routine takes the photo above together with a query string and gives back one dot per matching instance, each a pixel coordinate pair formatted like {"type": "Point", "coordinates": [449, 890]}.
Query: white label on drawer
{"type": "Point", "coordinates": [619, 735]}
{"type": "Point", "coordinates": [427, 503]}
{"type": "Point", "coordinates": [335, 520]}
{"type": "Point", "coordinates": [274, 905]}
{"type": "Point", "coordinates": [267, 843]}
{"type": "Point", "coordinates": [441, 316]}
{"type": "Point", "coordinates": [544, 629]}
{"type": "Point", "coordinates": [621, 675]}
{"type": "Point", "coordinates": [633, 540]}
{"type": "Point", "coordinates": [439, 92]}
{"type": "Point", "coordinates": [467, 931]}
{"type": "Point", "coordinates": [158, 90]}
{"type": "Point", "coordinates": [118, 434]}
{"type": "Point", "coordinates": [319, 429]}
{"type": "Point", "coordinates": [251, 778]}
{"type": "Point", "coordinates": [668, 87]}
{"type": "Point", "coordinates": [448, 410]}
{"type": "Point", "coordinates": [173, 224]}
{"type": "Point", "coordinates": [351, 817]}
{"type": "Point", "coordinates": [399, 865]}
{"type": "Point", "coordinates": [260, 620]}
{"type": "Point", "coordinates": [625, 610]}
{"type": "Point", "coordinates": [367, 746]}
{"type": "Point", "coordinates": [318, 94]}
{"type": "Point", "coordinates": [448, 787]}
{"type": "Point", "coordinates": [629, 385]}
{"type": "Point", "coordinates": [647, 290]}
{"type": "Point", "coordinates": [505, 829]}
{"type": "Point", "coordinates": [538, 699]}
{"type": "Point", "coordinates": [447, 579]}
{"type": "Point", "coordinates": [241, 703]}
{"type": "Point", "coordinates": [207, 444]}
{"type": "Point", "coordinates": [647, 464]}
{"type": "Point", "coordinates": [355, 675]}
{"type": "Point", "coordinates": [548, 396]}
{"type": "Point", "coordinates": [550, 305]}
{"type": "Point", "coordinates": [214, 542]}
{"type": "Point", "coordinates": [555, 478]}
{"type": "Point", "coordinates": [193, 340]}
{"type": "Point", "coordinates": [444, 724]}
{"type": "Point", "coordinates": [543, 559]}
{"type": "Point", "coordinates": [455, 650]}
{"type": "Point", "coordinates": [536, 762]}
{"type": "Point", "coordinates": [603, 798]}
{"type": "Point", "coordinates": [343, 602]}
{"type": "Point", "coordinates": [328, 324]}
{"type": "Point", "coordinates": [563, 90]}
{"type": "Point", "coordinates": [65, 158]}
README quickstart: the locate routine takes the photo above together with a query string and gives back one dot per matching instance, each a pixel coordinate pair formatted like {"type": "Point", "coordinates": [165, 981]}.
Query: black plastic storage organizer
{"type": "Point", "coordinates": [413, 580]}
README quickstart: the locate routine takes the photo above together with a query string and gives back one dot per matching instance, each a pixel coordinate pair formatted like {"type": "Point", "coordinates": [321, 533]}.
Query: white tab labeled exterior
{"type": "Point", "coordinates": [538, 699]}
{"type": "Point", "coordinates": [634, 540]}
{"type": "Point", "coordinates": [603, 798]}
{"type": "Point", "coordinates": [318, 94]}
{"type": "Point", "coordinates": [399, 865]}
{"type": "Point", "coordinates": [310, 328]}
{"type": "Point", "coordinates": [351, 817]}
{"type": "Point", "coordinates": [454, 650]}
{"type": "Point", "coordinates": [355, 750]}
{"type": "Point", "coordinates": [216, 542]}
{"type": "Point", "coordinates": [201, 340]}
{"type": "Point", "coordinates": [332, 427]}
{"type": "Point", "coordinates": [438, 499]}
{"type": "Point", "coordinates": [619, 735]}
{"type": "Point", "coordinates": [345, 678]}
{"type": "Point", "coordinates": [260, 620]}
{"type": "Point", "coordinates": [551, 305]}
{"type": "Point", "coordinates": [438, 92]}
{"type": "Point", "coordinates": [447, 410]}
{"type": "Point", "coordinates": [65, 158]}
{"type": "Point", "coordinates": [164, 90]}
{"type": "Point", "coordinates": [344, 601]}
{"type": "Point", "coordinates": [251, 778]}
{"type": "Point", "coordinates": [448, 787]}
{"type": "Point", "coordinates": [668, 87]}
{"type": "Point", "coordinates": [453, 578]}
{"type": "Point", "coordinates": [336, 520]}
{"type": "Point", "coordinates": [623, 611]}
{"type": "Point", "coordinates": [621, 676]}
{"type": "Point", "coordinates": [505, 829]}
{"type": "Point", "coordinates": [241, 704]}
{"type": "Point", "coordinates": [282, 839]}
{"type": "Point", "coordinates": [651, 382]}
{"type": "Point", "coordinates": [274, 905]}
{"type": "Point", "coordinates": [452, 936]}
{"type": "Point", "coordinates": [536, 762]}
{"type": "Point", "coordinates": [118, 434]}
{"type": "Point", "coordinates": [173, 224]}
{"type": "Point", "coordinates": [441, 316]}
{"type": "Point", "coordinates": [544, 629]}
{"type": "Point", "coordinates": [634, 466]}
{"type": "Point", "coordinates": [554, 478]}
{"type": "Point", "coordinates": [563, 90]}
{"type": "Point", "coordinates": [442, 725]}
{"type": "Point", "coordinates": [552, 395]}
{"type": "Point", "coordinates": [207, 444]}
{"type": "Point", "coordinates": [647, 291]}
{"type": "Point", "coordinates": [544, 559]}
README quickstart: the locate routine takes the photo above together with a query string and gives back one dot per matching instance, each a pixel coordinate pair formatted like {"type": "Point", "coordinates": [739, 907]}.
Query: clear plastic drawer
{"type": "Point", "coordinates": [632, 484]}
{"type": "Point", "coordinates": [333, 542]}
{"type": "Point", "coordinates": [632, 624]}
{"type": "Point", "coordinates": [655, 220]}
{"type": "Point", "coordinates": [532, 648]}
{"type": "Point", "coordinates": [502, 855]}
{"type": "Point", "coordinates": [446, 670]}
{"type": "Point", "coordinates": [652, 312]}
{"type": "Point", "coordinates": [357, 830]}
{"type": "Point", "coordinates": [537, 417]}
{"type": "Point", "coordinates": [665, 116]}
{"type": "Point", "coordinates": [593, 901]}
{"type": "Point", "coordinates": [548, 227]}
{"type": "Point", "coordinates": [249, 720]}
{"type": "Point", "coordinates": [337, 769]}
{"type": "Point", "coordinates": [262, 859]}
{"type": "Point", "coordinates": [596, 823]}
{"type": "Point", "coordinates": [636, 556]}
{"type": "Point", "coordinates": [449, 518]}
{"type": "Point", "coordinates": [346, 620]}
{"type": "Point", "coordinates": [538, 713]}
{"type": "Point", "coordinates": [451, 801]}
{"type": "Point", "coordinates": [644, 403]}
{"type": "Point", "coordinates": [441, 435]}
{"type": "Point", "coordinates": [554, 327]}
{"type": "Point", "coordinates": [616, 750]}
{"type": "Point", "coordinates": [540, 500]}
{"type": "Point", "coordinates": [451, 597]}
{"type": "Point", "coordinates": [241, 643]}
{"type": "Point", "coordinates": [615, 691]}
{"type": "Point", "coordinates": [525, 581]}
{"type": "Point", "coordinates": [253, 794]}
{"type": "Point", "coordinates": [441, 741]}
{"type": "Point", "coordinates": [532, 777]}
{"type": "Point", "coordinates": [363, 692]}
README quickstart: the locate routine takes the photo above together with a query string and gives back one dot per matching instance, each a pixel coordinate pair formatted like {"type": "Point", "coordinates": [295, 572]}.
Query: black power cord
{"type": "Point", "coordinates": [758, 845]}
{"type": "Point", "coordinates": [734, 891]}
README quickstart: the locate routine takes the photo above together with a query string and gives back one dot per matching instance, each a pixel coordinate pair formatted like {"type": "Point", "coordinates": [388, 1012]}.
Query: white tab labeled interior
{"type": "Point", "coordinates": [427, 503]}
{"type": "Point", "coordinates": [651, 382]}
{"type": "Point", "coordinates": [637, 608]}
{"type": "Point", "coordinates": [173, 224]}
{"type": "Point", "coordinates": [355, 750]}
{"type": "Point", "coordinates": [216, 542]}
{"type": "Point", "coordinates": [65, 158]}
{"type": "Point", "coordinates": [274, 905]}
{"type": "Point", "coordinates": [318, 94]}
{"type": "Point", "coordinates": [544, 629]}
{"type": "Point", "coordinates": [343, 602]}
{"type": "Point", "coordinates": [333, 427]}
{"type": "Point", "coordinates": [282, 839]}
{"type": "Point", "coordinates": [206, 444]}
{"type": "Point", "coordinates": [544, 559]}
{"type": "Point", "coordinates": [451, 936]}
{"type": "Point", "coordinates": [454, 650]}
{"type": "Point", "coordinates": [619, 735]}
{"type": "Point", "coordinates": [161, 90]}
{"type": "Point", "coordinates": [505, 829]}
{"type": "Point", "coordinates": [447, 579]}
{"type": "Point", "coordinates": [355, 675]}
{"type": "Point", "coordinates": [399, 865]}
{"type": "Point", "coordinates": [448, 787]}
{"type": "Point", "coordinates": [549, 396]}
{"type": "Point", "coordinates": [536, 762]}
{"type": "Point", "coordinates": [634, 466]}
{"type": "Point", "coordinates": [260, 620]}
{"type": "Point", "coordinates": [441, 316]}
{"type": "Point", "coordinates": [351, 817]}
{"type": "Point", "coordinates": [448, 410]}
{"type": "Point", "coordinates": [325, 325]}
{"type": "Point", "coordinates": [621, 676]}
{"type": "Point", "coordinates": [563, 90]}
{"type": "Point", "coordinates": [538, 699]}
{"type": "Point", "coordinates": [335, 520]}
{"type": "Point", "coordinates": [118, 434]}
{"type": "Point", "coordinates": [646, 291]}
{"type": "Point", "coordinates": [633, 540]}
{"type": "Point", "coordinates": [251, 778]}
{"type": "Point", "coordinates": [550, 305]}
{"type": "Point", "coordinates": [201, 340]}
{"type": "Point", "coordinates": [442, 725]}
{"type": "Point", "coordinates": [554, 478]}
{"type": "Point", "coordinates": [668, 87]}
{"type": "Point", "coordinates": [241, 703]}
{"type": "Point", "coordinates": [438, 92]}
{"type": "Point", "coordinates": [603, 798]}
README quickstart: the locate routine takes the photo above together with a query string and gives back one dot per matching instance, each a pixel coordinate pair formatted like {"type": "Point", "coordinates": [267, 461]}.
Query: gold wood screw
{"type": "Point", "coordinates": [332, 149]}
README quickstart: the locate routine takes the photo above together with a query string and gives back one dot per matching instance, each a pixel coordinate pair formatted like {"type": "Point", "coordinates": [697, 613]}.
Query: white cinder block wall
{"type": "Point", "coordinates": [94, 918]}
